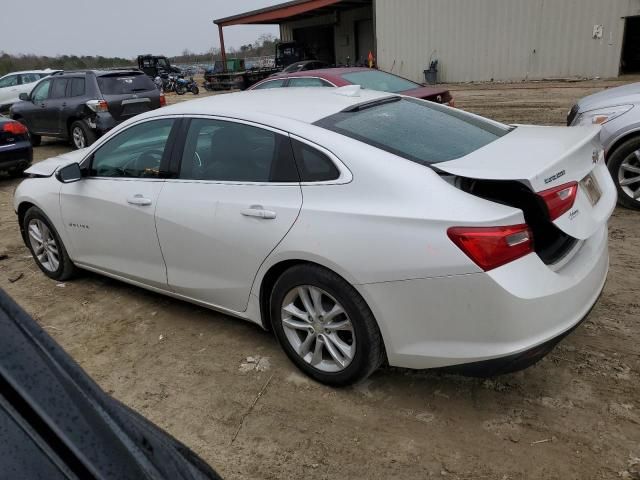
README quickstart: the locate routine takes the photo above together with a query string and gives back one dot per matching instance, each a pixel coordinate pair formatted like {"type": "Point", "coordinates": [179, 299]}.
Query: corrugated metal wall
{"type": "Point", "coordinates": [477, 40]}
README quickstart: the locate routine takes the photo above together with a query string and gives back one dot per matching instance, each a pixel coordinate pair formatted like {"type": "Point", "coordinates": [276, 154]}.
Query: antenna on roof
{"type": "Point", "coordinates": [348, 91]}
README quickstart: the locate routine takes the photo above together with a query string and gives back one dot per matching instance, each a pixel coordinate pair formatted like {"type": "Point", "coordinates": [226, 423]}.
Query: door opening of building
{"type": "Point", "coordinates": [630, 61]}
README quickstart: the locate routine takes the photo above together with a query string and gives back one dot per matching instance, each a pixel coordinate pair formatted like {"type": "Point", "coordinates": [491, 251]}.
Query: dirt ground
{"type": "Point", "coordinates": [575, 415]}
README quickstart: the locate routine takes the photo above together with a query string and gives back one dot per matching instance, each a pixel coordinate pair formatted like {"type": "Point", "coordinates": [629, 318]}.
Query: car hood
{"type": "Point", "coordinates": [48, 167]}
{"type": "Point", "coordinates": [624, 95]}
{"type": "Point", "coordinates": [424, 92]}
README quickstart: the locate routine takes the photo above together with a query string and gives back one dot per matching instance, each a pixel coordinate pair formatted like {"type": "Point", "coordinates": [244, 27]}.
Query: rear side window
{"type": "Point", "coordinates": [308, 82]}
{"type": "Point", "coordinates": [125, 83]}
{"type": "Point", "coordinates": [271, 84]}
{"type": "Point", "coordinates": [313, 165]}
{"type": "Point", "coordinates": [77, 87]}
{"type": "Point", "coordinates": [29, 77]}
{"type": "Point", "coordinates": [59, 88]}
{"type": "Point", "coordinates": [420, 131]}
{"type": "Point", "coordinates": [218, 150]}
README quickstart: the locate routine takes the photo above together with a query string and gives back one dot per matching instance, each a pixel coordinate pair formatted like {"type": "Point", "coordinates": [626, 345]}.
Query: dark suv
{"type": "Point", "coordinates": [80, 106]}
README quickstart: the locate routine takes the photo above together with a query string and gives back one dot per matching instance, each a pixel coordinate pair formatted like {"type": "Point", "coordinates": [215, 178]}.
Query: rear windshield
{"type": "Point", "coordinates": [419, 131]}
{"type": "Point", "coordinates": [123, 83]}
{"type": "Point", "coordinates": [377, 80]}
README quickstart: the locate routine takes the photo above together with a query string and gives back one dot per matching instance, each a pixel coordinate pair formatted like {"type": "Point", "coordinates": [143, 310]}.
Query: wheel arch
{"type": "Point", "coordinates": [264, 283]}
{"type": "Point", "coordinates": [619, 141]}
{"type": "Point", "coordinates": [23, 208]}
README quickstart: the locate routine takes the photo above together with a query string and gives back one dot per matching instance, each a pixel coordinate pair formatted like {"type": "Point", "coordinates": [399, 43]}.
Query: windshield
{"type": "Point", "coordinates": [377, 80]}
{"type": "Point", "coordinates": [124, 83]}
{"type": "Point", "coordinates": [416, 130]}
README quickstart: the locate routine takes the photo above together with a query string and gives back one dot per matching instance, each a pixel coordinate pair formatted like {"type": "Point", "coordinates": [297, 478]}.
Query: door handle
{"type": "Point", "coordinates": [259, 212]}
{"type": "Point", "coordinates": [139, 200]}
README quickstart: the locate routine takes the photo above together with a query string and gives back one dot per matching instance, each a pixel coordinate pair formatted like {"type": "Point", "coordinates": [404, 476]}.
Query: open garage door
{"type": "Point", "coordinates": [630, 61]}
{"type": "Point", "coordinates": [318, 40]}
{"type": "Point", "coordinates": [364, 41]}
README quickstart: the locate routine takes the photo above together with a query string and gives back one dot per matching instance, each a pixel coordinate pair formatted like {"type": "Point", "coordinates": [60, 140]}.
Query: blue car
{"type": "Point", "coordinates": [16, 153]}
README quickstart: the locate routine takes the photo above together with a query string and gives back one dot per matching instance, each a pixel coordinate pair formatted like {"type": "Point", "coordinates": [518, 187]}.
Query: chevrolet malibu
{"type": "Point", "coordinates": [360, 226]}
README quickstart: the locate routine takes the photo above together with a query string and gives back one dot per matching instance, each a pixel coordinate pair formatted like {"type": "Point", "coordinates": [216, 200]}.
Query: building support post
{"type": "Point", "coordinates": [222, 51]}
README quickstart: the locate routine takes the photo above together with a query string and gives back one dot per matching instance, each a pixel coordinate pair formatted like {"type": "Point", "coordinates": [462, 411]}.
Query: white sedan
{"type": "Point", "coordinates": [360, 226]}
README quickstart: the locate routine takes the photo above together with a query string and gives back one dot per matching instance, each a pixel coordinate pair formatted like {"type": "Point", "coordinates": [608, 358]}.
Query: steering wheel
{"type": "Point", "coordinates": [148, 163]}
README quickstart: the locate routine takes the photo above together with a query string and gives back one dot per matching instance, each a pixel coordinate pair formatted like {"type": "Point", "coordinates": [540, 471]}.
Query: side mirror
{"type": "Point", "coordinates": [69, 174]}
{"type": "Point", "coordinates": [24, 97]}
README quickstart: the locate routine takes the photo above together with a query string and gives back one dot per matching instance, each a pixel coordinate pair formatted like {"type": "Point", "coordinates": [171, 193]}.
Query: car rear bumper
{"type": "Point", "coordinates": [504, 314]}
{"type": "Point", "coordinates": [15, 156]}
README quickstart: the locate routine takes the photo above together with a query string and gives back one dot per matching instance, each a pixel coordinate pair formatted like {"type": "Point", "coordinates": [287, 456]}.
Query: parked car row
{"type": "Point", "coordinates": [13, 84]}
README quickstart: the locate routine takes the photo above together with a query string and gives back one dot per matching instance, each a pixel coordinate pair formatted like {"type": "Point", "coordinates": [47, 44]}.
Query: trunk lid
{"type": "Point", "coordinates": [543, 158]}
{"type": "Point", "coordinates": [128, 94]}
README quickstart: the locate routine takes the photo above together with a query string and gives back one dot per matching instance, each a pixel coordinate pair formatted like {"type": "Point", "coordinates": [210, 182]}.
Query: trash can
{"type": "Point", "coordinates": [431, 74]}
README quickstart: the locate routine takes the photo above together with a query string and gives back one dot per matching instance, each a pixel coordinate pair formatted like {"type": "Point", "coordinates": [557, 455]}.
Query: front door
{"type": "Point", "coordinates": [109, 216]}
{"type": "Point", "coordinates": [57, 101]}
{"type": "Point", "coordinates": [237, 196]}
{"type": "Point", "coordinates": [36, 120]}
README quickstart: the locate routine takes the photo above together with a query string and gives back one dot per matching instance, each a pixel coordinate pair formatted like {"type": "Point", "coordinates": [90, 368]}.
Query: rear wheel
{"type": "Point", "coordinates": [195, 90]}
{"type": "Point", "coordinates": [180, 90]}
{"type": "Point", "coordinates": [81, 135]}
{"type": "Point", "coordinates": [624, 165]}
{"type": "Point", "coordinates": [46, 247]}
{"type": "Point", "coordinates": [324, 326]}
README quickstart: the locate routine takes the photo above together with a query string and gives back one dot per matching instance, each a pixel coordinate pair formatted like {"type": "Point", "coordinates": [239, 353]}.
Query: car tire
{"type": "Point", "coordinates": [81, 135]}
{"type": "Point", "coordinates": [353, 335]}
{"type": "Point", "coordinates": [45, 245]}
{"type": "Point", "coordinates": [620, 162]}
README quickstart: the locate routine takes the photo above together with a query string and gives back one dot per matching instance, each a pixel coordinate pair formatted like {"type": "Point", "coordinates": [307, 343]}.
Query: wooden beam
{"type": "Point", "coordinates": [222, 51]}
{"type": "Point", "coordinates": [275, 14]}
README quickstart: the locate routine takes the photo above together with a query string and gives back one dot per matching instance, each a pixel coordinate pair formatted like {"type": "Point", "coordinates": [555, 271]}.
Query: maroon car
{"type": "Point", "coordinates": [365, 77]}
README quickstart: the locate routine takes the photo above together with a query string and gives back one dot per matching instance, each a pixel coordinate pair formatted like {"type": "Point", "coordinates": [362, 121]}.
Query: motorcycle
{"type": "Point", "coordinates": [182, 86]}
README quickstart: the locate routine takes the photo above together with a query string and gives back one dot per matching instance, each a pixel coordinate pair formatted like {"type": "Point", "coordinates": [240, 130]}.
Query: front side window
{"type": "Point", "coordinates": [41, 92]}
{"type": "Point", "coordinates": [381, 81]}
{"type": "Point", "coordinates": [416, 130]}
{"type": "Point", "coordinates": [308, 82]}
{"type": "Point", "coordinates": [134, 153]}
{"type": "Point", "coordinates": [270, 84]}
{"type": "Point", "coordinates": [59, 88]}
{"type": "Point", "coordinates": [217, 150]}
{"type": "Point", "coordinates": [10, 81]}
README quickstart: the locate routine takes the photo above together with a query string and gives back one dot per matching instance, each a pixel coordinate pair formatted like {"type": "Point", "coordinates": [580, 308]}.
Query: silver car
{"type": "Point", "coordinates": [618, 111]}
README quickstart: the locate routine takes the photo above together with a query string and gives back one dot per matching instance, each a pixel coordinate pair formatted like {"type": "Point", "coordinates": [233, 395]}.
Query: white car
{"type": "Point", "coordinates": [15, 83]}
{"type": "Point", "coordinates": [360, 226]}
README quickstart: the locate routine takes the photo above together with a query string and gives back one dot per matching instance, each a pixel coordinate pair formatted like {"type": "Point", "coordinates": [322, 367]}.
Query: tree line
{"type": "Point", "coordinates": [264, 45]}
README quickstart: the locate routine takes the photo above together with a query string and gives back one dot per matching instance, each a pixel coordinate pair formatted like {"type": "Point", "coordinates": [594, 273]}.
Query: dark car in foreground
{"type": "Point", "coordinates": [56, 423]}
{"type": "Point", "coordinates": [16, 153]}
{"type": "Point", "coordinates": [80, 106]}
{"type": "Point", "coordinates": [368, 78]}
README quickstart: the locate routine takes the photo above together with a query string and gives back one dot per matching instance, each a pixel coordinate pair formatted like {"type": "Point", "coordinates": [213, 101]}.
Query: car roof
{"type": "Point", "coordinates": [306, 105]}
{"type": "Point", "coordinates": [30, 71]}
{"type": "Point", "coordinates": [333, 74]}
{"type": "Point", "coordinates": [100, 73]}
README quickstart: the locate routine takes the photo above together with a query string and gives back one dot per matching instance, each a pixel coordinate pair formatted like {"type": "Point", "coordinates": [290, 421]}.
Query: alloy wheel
{"type": "Point", "coordinates": [318, 328]}
{"type": "Point", "coordinates": [629, 175]}
{"type": "Point", "coordinates": [44, 245]}
{"type": "Point", "coordinates": [79, 140]}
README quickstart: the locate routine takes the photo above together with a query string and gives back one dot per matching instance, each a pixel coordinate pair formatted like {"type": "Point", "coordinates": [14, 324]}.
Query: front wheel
{"type": "Point", "coordinates": [624, 165]}
{"type": "Point", "coordinates": [46, 247]}
{"type": "Point", "coordinates": [324, 326]}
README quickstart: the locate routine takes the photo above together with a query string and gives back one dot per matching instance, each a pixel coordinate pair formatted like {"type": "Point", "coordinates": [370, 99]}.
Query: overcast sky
{"type": "Point", "coordinates": [123, 28]}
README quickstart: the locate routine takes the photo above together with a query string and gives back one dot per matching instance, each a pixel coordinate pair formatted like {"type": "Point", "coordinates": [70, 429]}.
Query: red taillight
{"type": "Point", "coordinates": [163, 100]}
{"type": "Point", "coordinates": [14, 128]}
{"type": "Point", "coordinates": [560, 199]}
{"type": "Point", "coordinates": [492, 247]}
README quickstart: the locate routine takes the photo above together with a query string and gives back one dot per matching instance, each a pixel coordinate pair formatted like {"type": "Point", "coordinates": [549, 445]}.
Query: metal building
{"type": "Point", "coordinates": [473, 40]}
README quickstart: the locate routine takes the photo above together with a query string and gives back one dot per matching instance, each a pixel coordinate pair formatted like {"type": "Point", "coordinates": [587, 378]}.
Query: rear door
{"type": "Point", "coordinates": [236, 196]}
{"type": "Point", "coordinates": [128, 94]}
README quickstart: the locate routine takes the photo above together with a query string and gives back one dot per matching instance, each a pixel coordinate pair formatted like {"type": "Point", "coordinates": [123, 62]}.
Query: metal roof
{"type": "Point", "coordinates": [295, 9]}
